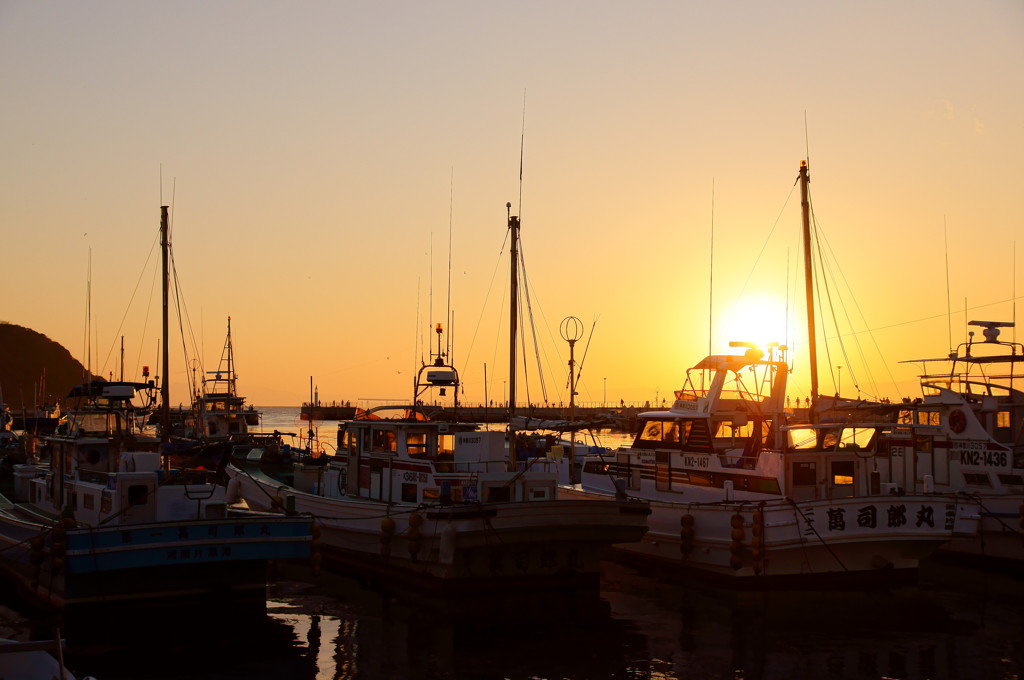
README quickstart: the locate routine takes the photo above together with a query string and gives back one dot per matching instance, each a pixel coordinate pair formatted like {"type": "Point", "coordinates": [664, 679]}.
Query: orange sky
{"type": "Point", "coordinates": [319, 155]}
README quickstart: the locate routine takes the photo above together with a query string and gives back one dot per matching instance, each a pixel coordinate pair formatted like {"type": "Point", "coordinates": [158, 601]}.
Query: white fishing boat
{"type": "Point", "coordinates": [736, 494]}
{"type": "Point", "coordinates": [977, 401]}
{"type": "Point", "coordinates": [100, 519]}
{"type": "Point", "coordinates": [445, 507]}
{"type": "Point", "coordinates": [437, 507]}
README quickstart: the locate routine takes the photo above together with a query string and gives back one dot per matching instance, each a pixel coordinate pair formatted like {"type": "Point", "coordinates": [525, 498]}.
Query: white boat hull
{"type": "Point", "coordinates": [459, 545]}
{"type": "Point", "coordinates": [780, 539]}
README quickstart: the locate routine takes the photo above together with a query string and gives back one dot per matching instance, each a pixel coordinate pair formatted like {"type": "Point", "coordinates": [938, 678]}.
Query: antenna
{"type": "Point", "coordinates": [711, 275]}
{"type": "Point", "coordinates": [451, 204]}
{"type": "Point", "coordinates": [522, 144]}
{"type": "Point", "coordinates": [807, 143]}
{"type": "Point", "coordinates": [949, 311]}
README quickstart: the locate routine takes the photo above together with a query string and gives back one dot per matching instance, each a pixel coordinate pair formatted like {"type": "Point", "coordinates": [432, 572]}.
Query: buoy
{"type": "Point", "coordinates": [687, 530]}
{"type": "Point", "coordinates": [736, 547]}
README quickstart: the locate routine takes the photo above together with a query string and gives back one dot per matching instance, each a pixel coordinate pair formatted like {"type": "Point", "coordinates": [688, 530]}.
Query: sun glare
{"type": "Point", "coordinates": [760, 319]}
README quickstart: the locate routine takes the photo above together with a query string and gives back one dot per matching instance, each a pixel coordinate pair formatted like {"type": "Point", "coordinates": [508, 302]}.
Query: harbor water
{"type": "Point", "coordinates": [957, 623]}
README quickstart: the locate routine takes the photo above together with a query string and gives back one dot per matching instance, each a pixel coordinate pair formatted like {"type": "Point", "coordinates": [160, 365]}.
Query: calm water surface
{"type": "Point", "coordinates": [959, 624]}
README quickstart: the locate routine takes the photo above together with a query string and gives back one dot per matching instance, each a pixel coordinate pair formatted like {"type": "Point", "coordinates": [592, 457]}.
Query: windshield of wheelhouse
{"type": "Point", "coordinates": [97, 423]}
{"type": "Point", "coordinates": [662, 433]}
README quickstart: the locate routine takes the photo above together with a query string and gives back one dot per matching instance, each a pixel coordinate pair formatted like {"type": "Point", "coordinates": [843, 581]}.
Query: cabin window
{"type": "Point", "coordinates": [1003, 419]}
{"type": "Point", "coordinates": [446, 444]}
{"type": "Point", "coordinates": [977, 479]}
{"type": "Point", "coordinates": [928, 418]}
{"type": "Point", "coordinates": [657, 433]}
{"type": "Point", "coordinates": [498, 494]}
{"type": "Point", "coordinates": [1012, 480]}
{"type": "Point", "coordinates": [138, 494]}
{"type": "Point", "coordinates": [923, 443]}
{"type": "Point", "coordinates": [89, 502]}
{"type": "Point", "coordinates": [384, 440]}
{"type": "Point", "coordinates": [860, 438]}
{"type": "Point", "coordinates": [804, 438]}
{"type": "Point", "coordinates": [842, 472]}
{"type": "Point", "coordinates": [416, 444]}
{"type": "Point", "coordinates": [805, 474]}
{"type": "Point", "coordinates": [409, 493]}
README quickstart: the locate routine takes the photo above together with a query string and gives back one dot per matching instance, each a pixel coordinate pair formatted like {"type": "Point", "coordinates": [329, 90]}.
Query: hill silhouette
{"type": "Point", "coordinates": [30, 361]}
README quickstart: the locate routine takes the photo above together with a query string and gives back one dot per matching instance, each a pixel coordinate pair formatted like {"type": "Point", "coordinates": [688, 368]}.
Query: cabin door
{"type": "Point", "coordinates": [352, 479]}
{"type": "Point", "coordinates": [901, 463]}
{"type": "Point", "coordinates": [136, 500]}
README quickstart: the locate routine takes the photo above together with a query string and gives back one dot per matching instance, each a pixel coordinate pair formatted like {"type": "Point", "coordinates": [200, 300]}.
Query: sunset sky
{"type": "Point", "coordinates": [320, 156]}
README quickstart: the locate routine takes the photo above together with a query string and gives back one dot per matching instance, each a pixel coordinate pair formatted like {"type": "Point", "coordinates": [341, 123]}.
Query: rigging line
{"type": "Point", "coordinates": [825, 273]}
{"type": "Point", "coordinates": [524, 306]}
{"type": "Point", "coordinates": [145, 319]}
{"type": "Point", "coordinates": [579, 373]}
{"type": "Point", "coordinates": [863, 320]}
{"type": "Point", "coordinates": [480, 317]}
{"type": "Point", "coordinates": [769, 237]}
{"type": "Point", "coordinates": [130, 301]}
{"type": "Point", "coordinates": [417, 330]}
{"type": "Point", "coordinates": [533, 325]}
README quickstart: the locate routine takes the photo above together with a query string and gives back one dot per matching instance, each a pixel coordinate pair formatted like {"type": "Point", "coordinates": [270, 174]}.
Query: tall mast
{"type": "Point", "coordinates": [805, 208]}
{"type": "Point", "coordinates": [165, 405]}
{"type": "Point", "coordinates": [231, 360]}
{"type": "Point", "coordinates": [513, 225]}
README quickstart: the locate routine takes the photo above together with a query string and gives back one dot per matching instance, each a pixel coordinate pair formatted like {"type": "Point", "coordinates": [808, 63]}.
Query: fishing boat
{"type": "Point", "coordinates": [977, 401]}
{"type": "Point", "coordinates": [218, 411]}
{"type": "Point", "coordinates": [436, 506]}
{"type": "Point", "coordinates": [741, 496]}
{"type": "Point", "coordinates": [101, 520]}
{"type": "Point", "coordinates": [738, 495]}
{"type": "Point", "coordinates": [443, 507]}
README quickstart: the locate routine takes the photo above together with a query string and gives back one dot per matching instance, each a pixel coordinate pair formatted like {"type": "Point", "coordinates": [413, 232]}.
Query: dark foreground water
{"type": "Point", "coordinates": [334, 628]}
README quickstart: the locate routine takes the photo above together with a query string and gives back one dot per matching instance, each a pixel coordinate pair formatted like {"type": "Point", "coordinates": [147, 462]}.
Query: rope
{"type": "Point", "coordinates": [811, 525]}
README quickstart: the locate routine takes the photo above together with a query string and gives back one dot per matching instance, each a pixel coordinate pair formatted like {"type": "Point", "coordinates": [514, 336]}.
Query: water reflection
{"type": "Point", "coordinates": [644, 628]}
{"type": "Point", "coordinates": [654, 630]}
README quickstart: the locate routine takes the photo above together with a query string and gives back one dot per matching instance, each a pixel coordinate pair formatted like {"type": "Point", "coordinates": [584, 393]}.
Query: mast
{"type": "Point", "coordinates": [805, 210]}
{"type": "Point", "coordinates": [513, 225]}
{"type": "Point", "coordinates": [231, 363]}
{"type": "Point", "coordinates": [165, 405]}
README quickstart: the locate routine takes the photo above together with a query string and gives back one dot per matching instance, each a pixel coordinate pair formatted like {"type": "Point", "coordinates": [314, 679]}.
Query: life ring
{"type": "Point", "coordinates": [957, 421]}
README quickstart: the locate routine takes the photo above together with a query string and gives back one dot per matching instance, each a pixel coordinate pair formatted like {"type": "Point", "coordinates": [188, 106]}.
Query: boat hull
{"type": "Point", "coordinates": [782, 541]}
{"type": "Point", "coordinates": [162, 561]}
{"type": "Point", "coordinates": [462, 547]}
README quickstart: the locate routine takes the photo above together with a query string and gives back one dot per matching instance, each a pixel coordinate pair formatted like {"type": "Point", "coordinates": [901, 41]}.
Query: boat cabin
{"type": "Point", "coordinates": [411, 461]}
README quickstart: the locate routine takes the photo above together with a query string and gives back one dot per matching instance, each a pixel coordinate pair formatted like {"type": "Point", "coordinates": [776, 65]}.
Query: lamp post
{"type": "Point", "coordinates": [604, 398]}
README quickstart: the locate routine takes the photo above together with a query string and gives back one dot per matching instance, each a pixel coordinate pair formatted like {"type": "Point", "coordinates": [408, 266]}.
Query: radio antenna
{"type": "Point", "coordinates": [522, 143]}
